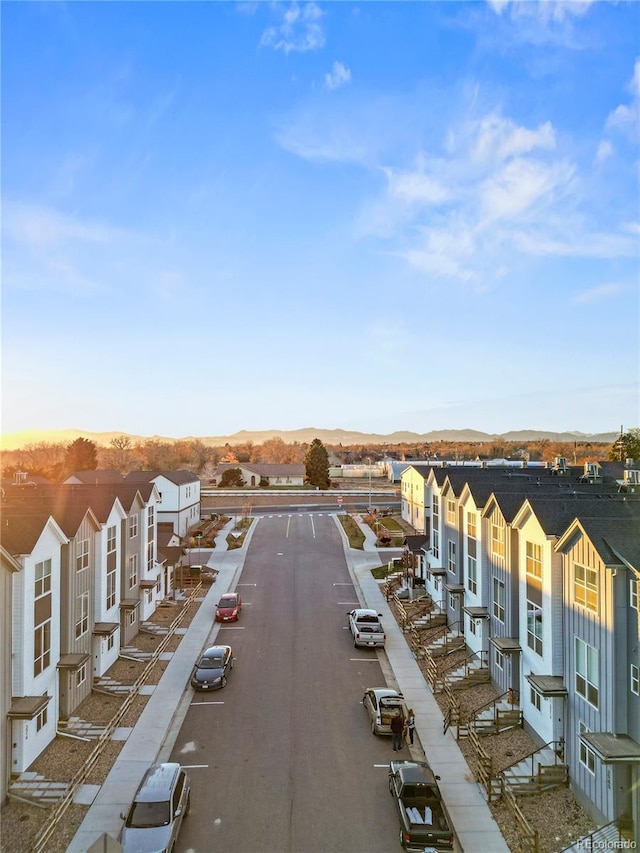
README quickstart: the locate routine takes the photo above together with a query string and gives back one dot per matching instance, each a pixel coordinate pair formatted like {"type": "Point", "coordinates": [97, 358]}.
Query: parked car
{"type": "Point", "coordinates": [381, 704]}
{"type": "Point", "coordinates": [424, 821]}
{"type": "Point", "coordinates": [213, 668]}
{"type": "Point", "coordinates": [229, 607]}
{"type": "Point", "coordinates": [366, 628]}
{"type": "Point", "coordinates": [155, 816]}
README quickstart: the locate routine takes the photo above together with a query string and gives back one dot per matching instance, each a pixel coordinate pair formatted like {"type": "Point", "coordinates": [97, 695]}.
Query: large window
{"type": "Point", "coordinates": [534, 560]}
{"type": "Point", "coordinates": [585, 587]}
{"type": "Point", "coordinates": [471, 525]}
{"type": "Point", "coordinates": [133, 570]}
{"type": "Point", "coordinates": [497, 540]}
{"type": "Point", "coordinates": [41, 647]}
{"type": "Point", "coordinates": [451, 556]}
{"type": "Point", "coordinates": [82, 555]}
{"type": "Point", "coordinates": [586, 756]}
{"type": "Point", "coordinates": [42, 579]}
{"type": "Point", "coordinates": [435, 543]}
{"type": "Point", "coordinates": [112, 566]}
{"type": "Point", "coordinates": [151, 516]}
{"type": "Point", "coordinates": [587, 678]}
{"type": "Point", "coordinates": [534, 627]}
{"type": "Point", "coordinates": [133, 526]}
{"type": "Point", "coordinates": [498, 599]}
{"type": "Point", "coordinates": [451, 511]}
{"type": "Point", "coordinates": [472, 574]}
{"type": "Point", "coordinates": [634, 680]}
{"type": "Point", "coordinates": [150, 561]}
{"type": "Point", "coordinates": [633, 594]}
{"type": "Point", "coordinates": [82, 614]}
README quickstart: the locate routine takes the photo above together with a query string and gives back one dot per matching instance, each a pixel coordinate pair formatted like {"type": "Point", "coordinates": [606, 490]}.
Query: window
{"type": "Point", "coordinates": [81, 675]}
{"type": "Point", "coordinates": [634, 681]}
{"type": "Point", "coordinates": [497, 540]}
{"type": "Point", "coordinates": [451, 558]}
{"type": "Point", "coordinates": [82, 555]}
{"type": "Point", "coordinates": [43, 579]}
{"type": "Point", "coordinates": [82, 614]}
{"type": "Point", "coordinates": [151, 516]}
{"type": "Point", "coordinates": [472, 625]}
{"type": "Point", "coordinates": [451, 511]}
{"type": "Point", "coordinates": [498, 599]}
{"type": "Point", "coordinates": [148, 596]}
{"type": "Point", "coordinates": [435, 506]}
{"type": "Point", "coordinates": [111, 640]}
{"type": "Point", "coordinates": [499, 659]}
{"type": "Point", "coordinates": [534, 560]}
{"type": "Point", "coordinates": [111, 539]}
{"type": "Point", "coordinates": [132, 617]}
{"type": "Point", "coordinates": [534, 627]}
{"type": "Point", "coordinates": [42, 647]}
{"type": "Point", "coordinates": [587, 756]}
{"type": "Point", "coordinates": [111, 588]}
{"type": "Point", "coordinates": [133, 570]}
{"type": "Point", "coordinates": [536, 698]}
{"type": "Point", "coordinates": [633, 593]}
{"type": "Point", "coordinates": [585, 587]}
{"type": "Point", "coordinates": [435, 543]}
{"type": "Point", "coordinates": [471, 525]}
{"type": "Point", "coordinates": [133, 526]}
{"type": "Point", "coordinates": [472, 574]}
{"type": "Point", "coordinates": [150, 549]}
{"type": "Point", "coordinates": [41, 719]}
{"type": "Point", "coordinates": [587, 680]}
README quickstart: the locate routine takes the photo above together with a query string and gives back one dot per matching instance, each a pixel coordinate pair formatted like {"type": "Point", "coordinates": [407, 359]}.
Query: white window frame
{"type": "Point", "coordinates": [132, 571]}
{"type": "Point", "coordinates": [585, 587]}
{"type": "Point", "coordinates": [499, 599]}
{"type": "Point", "coordinates": [42, 585]}
{"type": "Point", "coordinates": [533, 559]}
{"type": "Point", "coordinates": [42, 718]}
{"type": "Point", "coordinates": [498, 546]}
{"type": "Point", "coordinates": [82, 615]}
{"type": "Point", "coordinates": [82, 556]}
{"type": "Point", "coordinates": [498, 659]}
{"type": "Point", "coordinates": [586, 756]}
{"type": "Point", "coordinates": [472, 574]}
{"type": "Point", "coordinates": [81, 674]}
{"type": "Point", "coordinates": [472, 529]}
{"type": "Point", "coordinates": [133, 525]}
{"type": "Point", "coordinates": [535, 697]}
{"type": "Point", "coordinates": [435, 542]}
{"type": "Point", "coordinates": [451, 511]}
{"type": "Point", "coordinates": [634, 679]}
{"type": "Point", "coordinates": [534, 627]}
{"type": "Point", "coordinates": [587, 669]}
{"type": "Point", "coordinates": [451, 556]}
{"type": "Point", "coordinates": [634, 593]}
{"type": "Point", "coordinates": [42, 661]}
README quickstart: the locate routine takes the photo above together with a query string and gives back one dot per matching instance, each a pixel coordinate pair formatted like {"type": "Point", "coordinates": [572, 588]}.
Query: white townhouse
{"type": "Point", "coordinates": [415, 508]}
{"type": "Point", "coordinates": [36, 543]}
{"type": "Point", "coordinates": [179, 496]}
{"type": "Point", "coordinates": [8, 567]}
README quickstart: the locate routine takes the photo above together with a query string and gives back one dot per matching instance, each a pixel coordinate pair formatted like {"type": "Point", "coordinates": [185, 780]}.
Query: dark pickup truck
{"type": "Point", "coordinates": [424, 822]}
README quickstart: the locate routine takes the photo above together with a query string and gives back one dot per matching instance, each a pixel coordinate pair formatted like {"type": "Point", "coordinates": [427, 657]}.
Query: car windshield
{"type": "Point", "coordinates": [210, 663]}
{"type": "Point", "coordinates": [144, 815]}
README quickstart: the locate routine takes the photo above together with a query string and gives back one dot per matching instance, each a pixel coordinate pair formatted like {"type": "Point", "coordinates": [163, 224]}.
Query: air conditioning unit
{"type": "Point", "coordinates": [632, 476]}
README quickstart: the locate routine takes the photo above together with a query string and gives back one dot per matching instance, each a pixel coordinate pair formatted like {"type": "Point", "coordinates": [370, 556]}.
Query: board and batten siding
{"type": "Point", "coordinates": [596, 630]}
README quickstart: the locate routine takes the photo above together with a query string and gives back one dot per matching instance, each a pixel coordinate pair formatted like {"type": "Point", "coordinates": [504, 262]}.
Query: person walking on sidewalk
{"type": "Point", "coordinates": [411, 724]}
{"type": "Point", "coordinates": [397, 730]}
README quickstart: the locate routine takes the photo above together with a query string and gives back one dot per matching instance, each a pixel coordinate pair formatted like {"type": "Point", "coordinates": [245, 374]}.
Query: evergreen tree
{"type": "Point", "coordinates": [81, 455]}
{"type": "Point", "coordinates": [626, 446]}
{"type": "Point", "coordinates": [317, 464]}
{"type": "Point", "coordinates": [231, 477]}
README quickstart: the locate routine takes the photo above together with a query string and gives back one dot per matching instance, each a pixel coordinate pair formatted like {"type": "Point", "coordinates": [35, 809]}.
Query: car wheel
{"type": "Point", "coordinates": [187, 808]}
{"type": "Point", "coordinates": [223, 683]}
{"type": "Point", "coordinates": [401, 839]}
{"type": "Point", "coordinates": [355, 644]}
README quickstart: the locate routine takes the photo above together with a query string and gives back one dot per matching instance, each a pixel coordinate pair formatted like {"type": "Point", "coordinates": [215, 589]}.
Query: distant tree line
{"type": "Point", "coordinates": [57, 461]}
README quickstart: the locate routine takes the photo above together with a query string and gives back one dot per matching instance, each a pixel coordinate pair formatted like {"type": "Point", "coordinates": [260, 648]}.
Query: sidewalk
{"type": "Point", "coordinates": [153, 737]}
{"type": "Point", "coordinates": [157, 728]}
{"type": "Point", "coordinates": [473, 821]}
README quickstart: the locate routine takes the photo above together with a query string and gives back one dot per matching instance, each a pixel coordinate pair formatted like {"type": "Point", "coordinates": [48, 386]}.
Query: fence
{"type": "Point", "coordinates": [41, 841]}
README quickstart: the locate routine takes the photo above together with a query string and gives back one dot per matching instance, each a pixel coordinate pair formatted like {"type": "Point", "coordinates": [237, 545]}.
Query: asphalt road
{"type": "Point", "coordinates": [283, 759]}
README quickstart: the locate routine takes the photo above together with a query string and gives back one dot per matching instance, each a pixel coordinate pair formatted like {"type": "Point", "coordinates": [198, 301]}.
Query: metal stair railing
{"type": "Point", "coordinates": [616, 834]}
{"type": "Point", "coordinates": [535, 780]}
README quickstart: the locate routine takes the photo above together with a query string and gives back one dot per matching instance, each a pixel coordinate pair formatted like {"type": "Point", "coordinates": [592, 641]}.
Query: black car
{"type": "Point", "coordinates": [212, 669]}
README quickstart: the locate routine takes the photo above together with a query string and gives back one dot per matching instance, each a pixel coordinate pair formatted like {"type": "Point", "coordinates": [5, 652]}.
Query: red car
{"type": "Point", "coordinates": [229, 607]}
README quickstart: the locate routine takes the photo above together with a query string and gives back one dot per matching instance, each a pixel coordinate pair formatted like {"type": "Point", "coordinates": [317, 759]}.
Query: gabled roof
{"type": "Point", "coordinates": [617, 540]}
{"type": "Point", "coordinates": [178, 477]}
{"type": "Point", "coordinates": [21, 533]}
{"type": "Point", "coordinates": [555, 513]}
{"type": "Point", "coordinates": [103, 475]}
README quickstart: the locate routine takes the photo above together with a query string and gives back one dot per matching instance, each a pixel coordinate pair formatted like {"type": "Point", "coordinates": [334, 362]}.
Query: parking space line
{"type": "Point", "coordinates": [360, 660]}
{"type": "Point", "coordinates": [193, 766]}
{"type": "Point", "coordinates": [194, 704]}
{"type": "Point", "coordinates": [232, 627]}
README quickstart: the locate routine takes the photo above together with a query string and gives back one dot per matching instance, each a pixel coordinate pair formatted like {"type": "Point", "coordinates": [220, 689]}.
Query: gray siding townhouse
{"type": "Point", "coordinates": [601, 569]}
{"type": "Point", "coordinates": [8, 567]}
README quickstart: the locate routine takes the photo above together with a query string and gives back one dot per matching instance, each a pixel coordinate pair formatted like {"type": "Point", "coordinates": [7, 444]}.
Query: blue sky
{"type": "Point", "coordinates": [374, 216]}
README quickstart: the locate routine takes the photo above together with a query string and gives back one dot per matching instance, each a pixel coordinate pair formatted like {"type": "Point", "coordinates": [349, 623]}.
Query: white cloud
{"type": "Point", "coordinates": [498, 139]}
{"type": "Point", "coordinates": [416, 187]}
{"type": "Point", "coordinates": [338, 76]}
{"type": "Point", "coordinates": [542, 10]}
{"type": "Point", "coordinates": [520, 185]}
{"type": "Point", "coordinates": [598, 293]}
{"type": "Point", "coordinates": [626, 117]}
{"type": "Point", "coordinates": [605, 150]}
{"type": "Point", "coordinates": [300, 30]}
{"type": "Point", "coordinates": [36, 225]}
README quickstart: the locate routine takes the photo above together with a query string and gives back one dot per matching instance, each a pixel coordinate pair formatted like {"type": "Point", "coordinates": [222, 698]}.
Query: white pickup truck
{"type": "Point", "coordinates": [366, 628]}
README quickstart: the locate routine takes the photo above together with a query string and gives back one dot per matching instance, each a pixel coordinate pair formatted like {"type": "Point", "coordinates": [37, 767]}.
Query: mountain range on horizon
{"type": "Point", "coordinates": [15, 441]}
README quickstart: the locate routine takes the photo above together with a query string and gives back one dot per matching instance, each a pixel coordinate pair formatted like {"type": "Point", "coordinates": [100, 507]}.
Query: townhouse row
{"type": "Point", "coordinates": [83, 564]}
{"type": "Point", "coordinates": [540, 570]}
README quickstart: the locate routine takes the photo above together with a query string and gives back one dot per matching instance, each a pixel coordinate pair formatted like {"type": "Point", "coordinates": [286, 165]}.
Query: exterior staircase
{"type": "Point", "coordinates": [450, 639]}
{"type": "Point", "coordinates": [499, 715]}
{"type": "Point", "coordinates": [471, 671]}
{"type": "Point", "coordinates": [616, 835]}
{"type": "Point", "coordinates": [80, 728]}
{"type": "Point", "coordinates": [36, 790]}
{"type": "Point", "coordinates": [541, 770]}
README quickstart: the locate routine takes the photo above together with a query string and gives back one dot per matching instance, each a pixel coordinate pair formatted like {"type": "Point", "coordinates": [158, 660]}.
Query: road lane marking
{"type": "Point", "coordinates": [343, 583]}
{"type": "Point", "coordinates": [382, 765]}
{"type": "Point", "coordinates": [193, 766]}
{"type": "Point", "coordinates": [247, 584]}
{"type": "Point", "coordinates": [232, 627]}
{"type": "Point", "coordinates": [313, 527]}
{"type": "Point", "coordinates": [360, 660]}
{"type": "Point", "coordinates": [195, 704]}
{"type": "Point", "coordinates": [288, 526]}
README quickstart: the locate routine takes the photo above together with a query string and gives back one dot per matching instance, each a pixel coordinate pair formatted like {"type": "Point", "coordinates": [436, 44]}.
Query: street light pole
{"type": "Point", "coordinates": [369, 464]}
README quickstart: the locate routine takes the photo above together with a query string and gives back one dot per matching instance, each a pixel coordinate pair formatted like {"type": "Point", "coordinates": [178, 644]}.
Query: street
{"type": "Point", "coordinates": [283, 759]}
